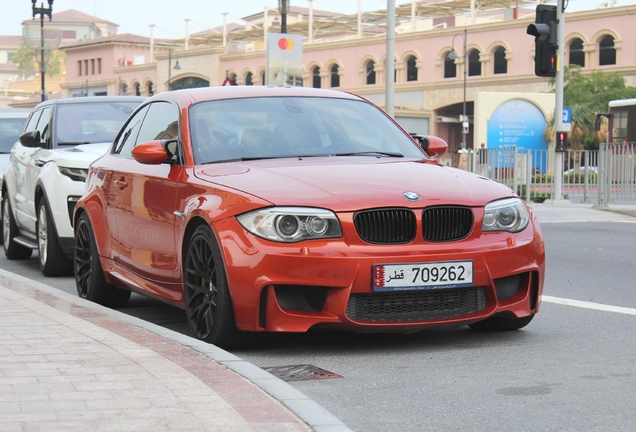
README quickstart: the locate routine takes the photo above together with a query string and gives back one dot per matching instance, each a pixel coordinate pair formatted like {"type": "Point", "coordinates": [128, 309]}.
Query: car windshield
{"type": "Point", "coordinates": [10, 130]}
{"type": "Point", "coordinates": [275, 127]}
{"type": "Point", "coordinates": [88, 123]}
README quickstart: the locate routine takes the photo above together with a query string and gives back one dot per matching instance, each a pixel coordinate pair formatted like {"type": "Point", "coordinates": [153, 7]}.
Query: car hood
{"type": "Point", "coordinates": [350, 183]}
{"type": "Point", "coordinates": [80, 156]}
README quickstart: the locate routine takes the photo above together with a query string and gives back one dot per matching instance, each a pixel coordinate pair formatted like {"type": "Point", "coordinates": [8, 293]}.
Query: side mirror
{"type": "Point", "coordinates": [154, 152]}
{"type": "Point", "coordinates": [432, 145]}
{"type": "Point", "coordinates": [31, 139]}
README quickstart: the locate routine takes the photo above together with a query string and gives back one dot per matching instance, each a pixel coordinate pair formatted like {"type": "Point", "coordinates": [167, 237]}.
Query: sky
{"type": "Point", "coordinates": [136, 16]}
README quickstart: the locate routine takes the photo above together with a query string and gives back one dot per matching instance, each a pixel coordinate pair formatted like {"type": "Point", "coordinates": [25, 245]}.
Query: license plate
{"type": "Point", "coordinates": [422, 276]}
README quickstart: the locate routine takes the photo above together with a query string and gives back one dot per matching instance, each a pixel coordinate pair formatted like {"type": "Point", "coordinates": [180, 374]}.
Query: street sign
{"type": "Point", "coordinates": [566, 120]}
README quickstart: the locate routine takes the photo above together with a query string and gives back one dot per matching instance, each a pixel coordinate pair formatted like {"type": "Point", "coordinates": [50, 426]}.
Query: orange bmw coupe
{"type": "Point", "coordinates": [264, 209]}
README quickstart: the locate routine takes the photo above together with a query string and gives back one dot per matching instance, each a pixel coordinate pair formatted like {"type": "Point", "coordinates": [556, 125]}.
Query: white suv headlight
{"type": "Point", "coordinates": [76, 174]}
{"type": "Point", "coordinates": [291, 224]}
{"type": "Point", "coordinates": [509, 215]}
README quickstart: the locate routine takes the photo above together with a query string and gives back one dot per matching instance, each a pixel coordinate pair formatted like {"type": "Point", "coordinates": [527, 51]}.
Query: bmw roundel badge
{"type": "Point", "coordinates": [411, 196]}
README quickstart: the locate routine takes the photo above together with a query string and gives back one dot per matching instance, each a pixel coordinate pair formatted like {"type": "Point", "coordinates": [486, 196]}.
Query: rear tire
{"type": "Point", "coordinates": [89, 276]}
{"type": "Point", "coordinates": [53, 260]}
{"type": "Point", "coordinates": [12, 250]}
{"type": "Point", "coordinates": [499, 323]}
{"type": "Point", "coordinates": [208, 304]}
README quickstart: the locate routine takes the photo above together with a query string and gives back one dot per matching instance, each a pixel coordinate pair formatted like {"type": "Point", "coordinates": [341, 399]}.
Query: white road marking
{"type": "Point", "coordinates": [589, 305]}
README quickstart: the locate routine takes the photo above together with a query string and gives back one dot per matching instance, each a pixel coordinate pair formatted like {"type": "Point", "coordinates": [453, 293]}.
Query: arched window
{"type": "Point", "coordinates": [370, 72]}
{"type": "Point", "coordinates": [263, 79]}
{"type": "Point", "coordinates": [124, 89]}
{"type": "Point", "coordinates": [501, 64]}
{"type": "Point", "coordinates": [335, 78]}
{"type": "Point", "coordinates": [577, 56]}
{"type": "Point", "coordinates": [607, 52]}
{"type": "Point", "coordinates": [248, 79]}
{"type": "Point", "coordinates": [232, 79]}
{"type": "Point", "coordinates": [315, 77]}
{"type": "Point", "coordinates": [450, 68]}
{"type": "Point", "coordinates": [411, 69]}
{"type": "Point", "coordinates": [137, 87]}
{"type": "Point", "coordinates": [150, 89]}
{"type": "Point", "coordinates": [474, 65]}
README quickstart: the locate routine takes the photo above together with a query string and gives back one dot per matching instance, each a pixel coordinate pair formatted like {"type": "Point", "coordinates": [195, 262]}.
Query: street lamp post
{"type": "Point", "coordinates": [176, 67]}
{"type": "Point", "coordinates": [42, 11]}
{"type": "Point", "coordinates": [283, 9]}
{"type": "Point", "coordinates": [453, 55]}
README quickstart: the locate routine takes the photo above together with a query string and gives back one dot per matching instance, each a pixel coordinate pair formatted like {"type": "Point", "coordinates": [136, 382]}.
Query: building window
{"type": "Point", "coordinates": [411, 69]}
{"type": "Point", "coordinates": [232, 78]}
{"type": "Point", "coordinates": [577, 56]}
{"type": "Point", "coordinates": [335, 78]}
{"type": "Point", "coordinates": [124, 89]}
{"type": "Point", "coordinates": [248, 79]}
{"type": "Point", "coordinates": [474, 65]}
{"type": "Point", "coordinates": [137, 87]}
{"type": "Point", "coordinates": [79, 68]}
{"type": "Point", "coordinates": [69, 34]}
{"type": "Point", "coordinates": [315, 77]}
{"type": "Point", "coordinates": [450, 68]}
{"type": "Point", "coordinates": [150, 89]}
{"type": "Point", "coordinates": [92, 66]}
{"type": "Point", "coordinates": [501, 64]}
{"type": "Point", "coordinates": [99, 66]}
{"type": "Point", "coordinates": [607, 52]}
{"type": "Point", "coordinates": [370, 72]}
{"type": "Point", "coordinates": [85, 67]}
{"type": "Point", "coordinates": [263, 79]}
{"type": "Point", "coordinates": [619, 126]}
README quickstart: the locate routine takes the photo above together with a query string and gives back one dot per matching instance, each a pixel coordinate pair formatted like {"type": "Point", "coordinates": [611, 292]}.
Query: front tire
{"type": "Point", "coordinates": [208, 303]}
{"type": "Point", "coordinates": [12, 250]}
{"type": "Point", "coordinates": [89, 276]}
{"type": "Point", "coordinates": [53, 260]}
{"type": "Point", "coordinates": [499, 323]}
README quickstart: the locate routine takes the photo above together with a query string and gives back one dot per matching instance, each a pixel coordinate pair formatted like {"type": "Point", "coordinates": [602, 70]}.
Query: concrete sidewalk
{"type": "Point", "coordinates": [567, 212]}
{"type": "Point", "coordinates": [67, 364]}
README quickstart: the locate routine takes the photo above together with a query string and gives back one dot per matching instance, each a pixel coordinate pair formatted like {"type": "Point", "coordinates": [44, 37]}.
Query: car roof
{"type": "Point", "coordinates": [8, 113]}
{"type": "Point", "coordinates": [233, 92]}
{"type": "Point", "coordinates": [92, 99]}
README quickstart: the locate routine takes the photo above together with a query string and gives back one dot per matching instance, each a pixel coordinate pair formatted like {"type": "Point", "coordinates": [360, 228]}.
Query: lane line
{"type": "Point", "coordinates": [589, 305]}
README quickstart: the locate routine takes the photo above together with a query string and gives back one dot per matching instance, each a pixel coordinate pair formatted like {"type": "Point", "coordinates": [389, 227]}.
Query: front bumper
{"type": "Point", "coordinates": [294, 287]}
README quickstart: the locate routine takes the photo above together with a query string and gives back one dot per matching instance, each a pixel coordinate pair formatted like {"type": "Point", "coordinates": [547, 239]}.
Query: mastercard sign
{"type": "Point", "coordinates": [286, 43]}
{"type": "Point", "coordinates": [284, 59]}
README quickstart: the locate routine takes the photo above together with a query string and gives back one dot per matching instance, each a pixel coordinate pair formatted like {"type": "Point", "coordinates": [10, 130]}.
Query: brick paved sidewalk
{"type": "Point", "coordinates": [65, 366]}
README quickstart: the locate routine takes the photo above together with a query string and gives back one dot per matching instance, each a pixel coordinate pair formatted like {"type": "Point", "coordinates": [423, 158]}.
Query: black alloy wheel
{"type": "Point", "coordinates": [208, 304]}
{"type": "Point", "coordinates": [53, 261]}
{"type": "Point", "coordinates": [89, 276]}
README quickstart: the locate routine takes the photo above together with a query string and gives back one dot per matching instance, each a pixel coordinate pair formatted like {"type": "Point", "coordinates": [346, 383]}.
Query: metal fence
{"type": "Point", "coordinates": [603, 176]}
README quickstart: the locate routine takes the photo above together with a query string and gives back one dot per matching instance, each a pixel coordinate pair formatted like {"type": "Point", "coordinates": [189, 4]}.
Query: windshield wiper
{"type": "Point", "coordinates": [371, 153]}
{"type": "Point", "coordinates": [63, 143]}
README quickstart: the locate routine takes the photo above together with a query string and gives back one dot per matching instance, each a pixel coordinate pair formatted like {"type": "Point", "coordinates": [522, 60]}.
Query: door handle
{"type": "Point", "coordinates": [121, 184]}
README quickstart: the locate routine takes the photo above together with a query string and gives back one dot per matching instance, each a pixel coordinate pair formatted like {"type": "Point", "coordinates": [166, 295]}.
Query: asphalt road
{"type": "Point", "coordinates": [571, 369]}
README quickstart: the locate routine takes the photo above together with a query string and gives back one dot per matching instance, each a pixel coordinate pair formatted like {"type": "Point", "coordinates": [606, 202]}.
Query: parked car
{"type": "Point", "coordinates": [47, 171]}
{"type": "Point", "coordinates": [11, 126]}
{"type": "Point", "coordinates": [581, 170]}
{"type": "Point", "coordinates": [264, 209]}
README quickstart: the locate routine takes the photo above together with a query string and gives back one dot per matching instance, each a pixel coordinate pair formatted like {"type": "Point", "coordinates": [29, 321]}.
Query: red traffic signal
{"type": "Point", "coordinates": [561, 141]}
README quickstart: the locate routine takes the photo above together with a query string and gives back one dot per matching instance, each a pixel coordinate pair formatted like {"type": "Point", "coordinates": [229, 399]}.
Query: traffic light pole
{"type": "Point", "coordinates": [558, 109]}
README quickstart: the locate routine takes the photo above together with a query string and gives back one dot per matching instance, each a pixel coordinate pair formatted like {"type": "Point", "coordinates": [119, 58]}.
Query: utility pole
{"type": "Point", "coordinates": [558, 109]}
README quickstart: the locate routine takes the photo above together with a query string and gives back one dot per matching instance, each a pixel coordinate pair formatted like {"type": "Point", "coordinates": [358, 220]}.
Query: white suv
{"type": "Point", "coordinates": [47, 173]}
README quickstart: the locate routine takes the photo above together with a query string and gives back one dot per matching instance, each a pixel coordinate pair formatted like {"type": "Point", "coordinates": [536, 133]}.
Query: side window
{"type": "Point", "coordinates": [43, 125]}
{"type": "Point", "coordinates": [161, 122]}
{"type": "Point", "coordinates": [128, 136]}
{"type": "Point", "coordinates": [33, 121]}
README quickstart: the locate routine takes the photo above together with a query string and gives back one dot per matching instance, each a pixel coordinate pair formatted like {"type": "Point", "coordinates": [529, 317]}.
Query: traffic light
{"type": "Point", "coordinates": [561, 141]}
{"type": "Point", "coordinates": [544, 30]}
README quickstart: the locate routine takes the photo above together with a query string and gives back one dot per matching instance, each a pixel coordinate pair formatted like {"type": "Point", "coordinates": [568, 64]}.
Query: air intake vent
{"type": "Point", "coordinates": [415, 305]}
{"type": "Point", "coordinates": [443, 224]}
{"type": "Point", "coordinates": [385, 226]}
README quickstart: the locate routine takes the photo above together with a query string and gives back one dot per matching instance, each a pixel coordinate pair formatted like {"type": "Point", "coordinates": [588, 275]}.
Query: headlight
{"type": "Point", "coordinates": [291, 224]}
{"type": "Point", "coordinates": [76, 174]}
{"type": "Point", "coordinates": [509, 214]}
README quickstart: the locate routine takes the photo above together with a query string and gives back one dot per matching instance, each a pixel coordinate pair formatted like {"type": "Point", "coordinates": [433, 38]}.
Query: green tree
{"type": "Point", "coordinates": [588, 96]}
{"type": "Point", "coordinates": [28, 61]}
{"type": "Point", "coordinates": [25, 60]}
